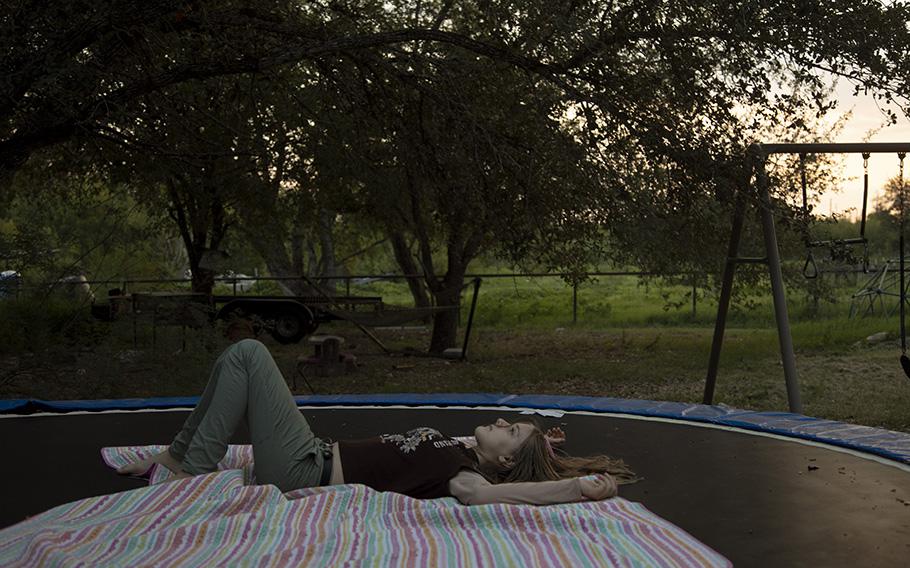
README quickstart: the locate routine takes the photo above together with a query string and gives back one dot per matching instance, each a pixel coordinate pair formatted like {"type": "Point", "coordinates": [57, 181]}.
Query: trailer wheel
{"type": "Point", "coordinates": [293, 325]}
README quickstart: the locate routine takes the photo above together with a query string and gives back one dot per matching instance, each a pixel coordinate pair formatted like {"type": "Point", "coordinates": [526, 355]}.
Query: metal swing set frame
{"type": "Point", "coordinates": [875, 289]}
{"type": "Point", "coordinates": [757, 157]}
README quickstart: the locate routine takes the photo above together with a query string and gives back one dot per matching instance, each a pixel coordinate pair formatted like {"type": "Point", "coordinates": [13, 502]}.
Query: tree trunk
{"type": "Point", "coordinates": [202, 221]}
{"type": "Point", "coordinates": [271, 244]}
{"type": "Point", "coordinates": [203, 281]}
{"type": "Point", "coordinates": [446, 291]}
{"type": "Point", "coordinates": [327, 252]}
{"type": "Point", "coordinates": [281, 264]}
{"type": "Point", "coordinates": [445, 323]}
{"type": "Point", "coordinates": [406, 262]}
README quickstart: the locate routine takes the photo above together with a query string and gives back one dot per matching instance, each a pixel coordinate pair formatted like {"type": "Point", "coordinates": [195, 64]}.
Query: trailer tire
{"type": "Point", "coordinates": [293, 325]}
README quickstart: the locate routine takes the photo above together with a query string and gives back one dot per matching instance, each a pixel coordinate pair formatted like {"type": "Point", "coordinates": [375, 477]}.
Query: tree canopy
{"type": "Point", "coordinates": [658, 73]}
{"type": "Point", "coordinates": [550, 132]}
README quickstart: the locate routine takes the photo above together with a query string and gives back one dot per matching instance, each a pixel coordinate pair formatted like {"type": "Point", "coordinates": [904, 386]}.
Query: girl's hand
{"type": "Point", "coordinates": [555, 436]}
{"type": "Point", "coordinates": [597, 487]}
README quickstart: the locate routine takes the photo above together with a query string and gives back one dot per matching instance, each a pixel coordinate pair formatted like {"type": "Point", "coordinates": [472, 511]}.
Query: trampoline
{"type": "Point", "coordinates": [760, 488]}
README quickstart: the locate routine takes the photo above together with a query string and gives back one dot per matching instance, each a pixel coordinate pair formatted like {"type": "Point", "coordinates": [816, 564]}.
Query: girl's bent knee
{"type": "Point", "coordinates": [252, 351]}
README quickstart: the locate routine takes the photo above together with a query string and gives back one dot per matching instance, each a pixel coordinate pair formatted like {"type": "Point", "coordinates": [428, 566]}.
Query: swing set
{"type": "Point", "coordinates": [837, 247]}
{"type": "Point", "coordinates": [757, 157]}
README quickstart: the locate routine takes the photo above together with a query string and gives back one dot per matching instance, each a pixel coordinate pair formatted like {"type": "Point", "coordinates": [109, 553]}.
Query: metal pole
{"type": "Point", "coordinates": [694, 292]}
{"type": "Point", "coordinates": [777, 290]}
{"type": "Point", "coordinates": [833, 148]}
{"type": "Point", "coordinates": [575, 302]}
{"type": "Point", "coordinates": [467, 331]}
{"type": "Point", "coordinates": [903, 290]}
{"type": "Point", "coordinates": [726, 291]}
{"type": "Point", "coordinates": [133, 310]}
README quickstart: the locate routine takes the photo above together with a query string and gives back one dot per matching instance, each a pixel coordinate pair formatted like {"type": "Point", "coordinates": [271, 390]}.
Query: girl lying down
{"type": "Point", "coordinates": [504, 462]}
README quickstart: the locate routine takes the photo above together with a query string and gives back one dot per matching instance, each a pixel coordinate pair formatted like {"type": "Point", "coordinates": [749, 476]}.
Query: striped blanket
{"type": "Point", "coordinates": [218, 519]}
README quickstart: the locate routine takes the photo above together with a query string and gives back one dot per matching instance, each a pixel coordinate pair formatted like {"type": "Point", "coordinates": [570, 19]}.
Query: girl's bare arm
{"type": "Point", "coordinates": [472, 489]}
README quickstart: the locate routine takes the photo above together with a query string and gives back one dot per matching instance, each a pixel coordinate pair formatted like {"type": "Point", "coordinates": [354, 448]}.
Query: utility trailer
{"type": "Point", "coordinates": [287, 318]}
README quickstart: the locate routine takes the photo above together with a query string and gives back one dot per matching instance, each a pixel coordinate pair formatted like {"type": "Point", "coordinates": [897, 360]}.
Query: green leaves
{"type": "Point", "coordinates": [448, 120]}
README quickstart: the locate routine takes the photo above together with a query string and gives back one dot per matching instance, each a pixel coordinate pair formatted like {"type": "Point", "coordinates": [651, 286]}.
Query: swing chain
{"type": "Point", "coordinates": [810, 268]}
{"type": "Point", "coordinates": [803, 184]}
{"type": "Point", "coordinates": [901, 156]}
{"type": "Point", "coordinates": [862, 223]}
{"type": "Point", "coordinates": [905, 361]}
{"type": "Point", "coordinates": [900, 189]}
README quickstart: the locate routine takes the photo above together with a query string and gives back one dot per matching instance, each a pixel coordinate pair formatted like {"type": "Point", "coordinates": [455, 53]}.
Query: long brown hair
{"type": "Point", "coordinates": [239, 326]}
{"type": "Point", "coordinates": [533, 462]}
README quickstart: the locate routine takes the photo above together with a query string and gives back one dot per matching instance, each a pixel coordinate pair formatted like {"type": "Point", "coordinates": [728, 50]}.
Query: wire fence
{"type": "Point", "coordinates": [242, 285]}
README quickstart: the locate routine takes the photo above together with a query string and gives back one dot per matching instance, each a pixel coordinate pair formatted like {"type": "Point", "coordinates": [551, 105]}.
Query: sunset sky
{"type": "Point", "coordinates": [866, 118]}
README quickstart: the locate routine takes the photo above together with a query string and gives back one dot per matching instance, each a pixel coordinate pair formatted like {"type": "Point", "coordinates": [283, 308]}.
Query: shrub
{"type": "Point", "coordinates": [35, 323]}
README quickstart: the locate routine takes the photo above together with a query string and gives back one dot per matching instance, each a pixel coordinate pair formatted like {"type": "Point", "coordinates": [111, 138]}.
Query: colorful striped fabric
{"type": "Point", "coordinates": [238, 456]}
{"type": "Point", "coordinates": [216, 519]}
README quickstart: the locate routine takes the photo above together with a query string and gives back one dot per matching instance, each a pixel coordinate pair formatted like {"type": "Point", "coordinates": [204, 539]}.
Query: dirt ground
{"type": "Point", "coordinates": [862, 385]}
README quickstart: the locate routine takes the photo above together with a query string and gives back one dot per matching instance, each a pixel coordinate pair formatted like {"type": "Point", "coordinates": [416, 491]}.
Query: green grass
{"type": "Point", "coordinates": [624, 345]}
{"type": "Point", "coordinates": [615, 301]}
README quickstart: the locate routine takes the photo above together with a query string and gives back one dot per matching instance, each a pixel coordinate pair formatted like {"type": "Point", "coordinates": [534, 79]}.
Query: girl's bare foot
{"type": "Point", "coordinates": [142, 466]}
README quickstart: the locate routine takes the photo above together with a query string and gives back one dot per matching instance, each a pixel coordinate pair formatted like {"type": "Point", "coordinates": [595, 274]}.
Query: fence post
{"type": "Point", "coordinates": [460, 302]}
{"type": "Point", "coordinates": [694, 295]}
{"type": "Point", "coordinates": [467, 331]}
{"type": "Point", "coordinates": [574, 302]}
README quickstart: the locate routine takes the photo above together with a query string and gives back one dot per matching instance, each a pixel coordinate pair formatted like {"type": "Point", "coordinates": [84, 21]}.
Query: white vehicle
{"type": "Point", "coordinates": [237, 281]}
{"type": "Point", "coordinates": [243, 282]}
{"type": "Point", "coordinates": [75, 288]}
{"type": "Point", "coordinates": [10, 280]}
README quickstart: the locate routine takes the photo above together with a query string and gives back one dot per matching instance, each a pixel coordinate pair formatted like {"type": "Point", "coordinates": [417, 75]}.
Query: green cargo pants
{"type": "Point", "coordinates": [246, 384]}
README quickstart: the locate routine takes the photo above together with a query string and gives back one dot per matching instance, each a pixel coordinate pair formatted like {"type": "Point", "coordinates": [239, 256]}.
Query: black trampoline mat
{"type": "Point", "coordinates": [751, 498]}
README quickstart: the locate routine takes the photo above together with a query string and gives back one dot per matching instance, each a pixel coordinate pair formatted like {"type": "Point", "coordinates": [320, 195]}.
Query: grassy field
{"type": "Point", "coordinates": [615, 301]}
{"type": "Point", "coordinates": [624, 345]}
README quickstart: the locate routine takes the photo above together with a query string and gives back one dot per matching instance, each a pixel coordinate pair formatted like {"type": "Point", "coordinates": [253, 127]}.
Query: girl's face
{"type": "Point", "coordinates": [501, 439]}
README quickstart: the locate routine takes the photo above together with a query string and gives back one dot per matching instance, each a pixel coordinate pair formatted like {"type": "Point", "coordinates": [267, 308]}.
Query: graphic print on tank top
{"type": "Point", "coordinates": [410, 440]}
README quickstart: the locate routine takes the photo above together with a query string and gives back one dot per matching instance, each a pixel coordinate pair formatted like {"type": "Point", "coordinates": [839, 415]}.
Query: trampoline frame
{"type": "Point", "coordinates": [864, 441]}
